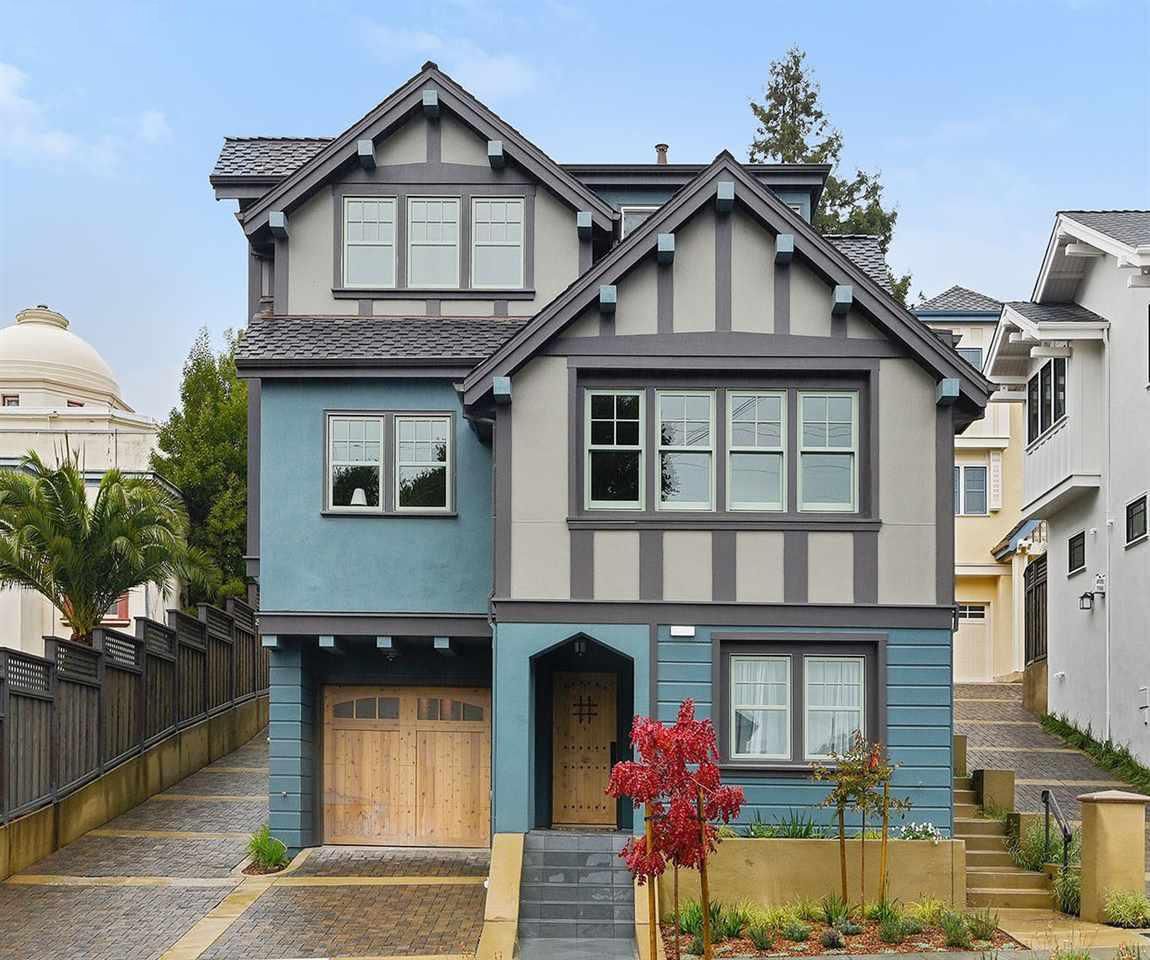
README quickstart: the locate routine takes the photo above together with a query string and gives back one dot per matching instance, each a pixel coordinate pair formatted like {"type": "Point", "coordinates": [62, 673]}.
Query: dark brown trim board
{"type": "Point", "coordinates": [333, 623]}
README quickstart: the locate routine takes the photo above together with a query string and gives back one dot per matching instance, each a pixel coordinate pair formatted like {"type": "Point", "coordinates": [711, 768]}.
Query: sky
{"type": "Point", "coordinates": [984, 118]}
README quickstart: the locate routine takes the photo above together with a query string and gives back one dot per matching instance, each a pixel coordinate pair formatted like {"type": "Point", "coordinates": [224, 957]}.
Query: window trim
{"type": "Point", "coordinates": [345, 242]}
{"type": "Point", "coordinates": [1072, 570]}
{"type": "Point", "coordinates": [981, 355]}
{"type": "Point", "coordinates": [448, 480]}
{"type": "Point", "coordinates": [625, 208]}
{"type": "Point", "coordinates": [960, 504]}
{"type": "Point", "coordinates": [410, 242]}
{"type": "Point", "coordinates": [1035, 431]}
{"type": "Point", "coordinates": [123, 612]}
{"type": "Point", "coordinates": [8, 399]}
{"type": "Point", "coordinates": [661, 448]}
{"type": "Point", "coordinates": [787, 709]}
{"type": "Point", "coordinates": [590, 504]}
{"type": "Point", "coordinates": [800, 504]}
{"type": "Point", "coordinates": [484, 198]}
{"type": "Point", "coordinates": [1144, 499]}
{"type": "Point", "coordinates": [862, 709]}
{"type": "Point", "coordinates": [781, 450]}
{"type": "Point", "coordinates": [330, 463]}
{"type": "Point", "coordinates": [960, 606]}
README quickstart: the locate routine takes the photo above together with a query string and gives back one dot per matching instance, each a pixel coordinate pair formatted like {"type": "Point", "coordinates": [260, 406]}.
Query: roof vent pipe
{"type": "Point", "coordinates": [661, 153]}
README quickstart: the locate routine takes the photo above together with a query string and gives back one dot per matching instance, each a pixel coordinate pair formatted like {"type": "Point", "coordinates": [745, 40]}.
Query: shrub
{"type": "Point", "coordinates": [1031, 851]}
{"type": "Point", "coordinates": [954, 930]}
{"type": "Point", "coordinates": [794, 826]}
{"type": "Point", "coordinates": [266, 851]}
{"type": "Point", "coordinates": [1070, 953]}
{"type": "Point", "coordinates": [982, 924]}
{"type": "Point", "coordinates": [1067, 888]}
{"type": "Point", "coordinates": [691, 918]}
{"type": "Point", "coordinates": [890, 930]}
{"type": "Point", "coordinates": [920, 831]}
{"type": "Point", "coordinates": [1126, 908]}
{"type": "Point", "coordinates": [806, 908]}
{"type": "Point", "coordinates": [1127, 952]}
{"type": "Point", "coordinates": [848, 927]}
{"type": "Point", "coordinates": [796, 931]}
{"type": "Point", "coordinates": [883, 910]}
{"type": "Point", "coordinates": [731, 922]}
{"type": "Point", "coordinates": [912, 926]}
{"type": "Point", "coordinates": [832, 939]}
{"type": "Point", "coordinates": [928, 910]}
{"type": "Point", "coordinates": [715, 911]}
{"type": "Point", "coordinates": [695, 947]}
{"type": "Point", "coordinates": [1110, 755]}
{"type": "Point", "coordinates": [762, 936]}
{"type": "Point", "coordinates": [834, 909]}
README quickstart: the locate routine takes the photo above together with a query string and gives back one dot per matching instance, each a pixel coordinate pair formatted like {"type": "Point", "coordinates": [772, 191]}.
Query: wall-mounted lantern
{"type": "Point", "coordinates": [1086, 601]}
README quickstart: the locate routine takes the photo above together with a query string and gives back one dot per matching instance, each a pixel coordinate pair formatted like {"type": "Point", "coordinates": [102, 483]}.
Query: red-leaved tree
{"type": "Point", "coordinates": [676, 780]}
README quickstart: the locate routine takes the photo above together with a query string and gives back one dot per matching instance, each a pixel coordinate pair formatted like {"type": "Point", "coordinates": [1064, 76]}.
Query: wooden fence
{"type": "Point", "coordinates": [73, 714]}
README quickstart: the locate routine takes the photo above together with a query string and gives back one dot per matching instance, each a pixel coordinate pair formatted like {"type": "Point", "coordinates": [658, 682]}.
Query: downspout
{"type": "Point", "coordinates": [1106, 484]}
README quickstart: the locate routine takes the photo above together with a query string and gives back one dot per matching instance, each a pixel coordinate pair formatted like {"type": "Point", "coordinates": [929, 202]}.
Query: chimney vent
{"type": "Point", "coordinates": [661, 153]}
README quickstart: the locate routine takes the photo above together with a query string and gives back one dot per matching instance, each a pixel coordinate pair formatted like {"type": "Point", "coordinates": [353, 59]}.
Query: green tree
{"type": "Point", "coordinates": [794, 128]}
{"type": "Point", "coordinates": [203, 450]}
{"type": "Point", "coordinates": [83, 554]}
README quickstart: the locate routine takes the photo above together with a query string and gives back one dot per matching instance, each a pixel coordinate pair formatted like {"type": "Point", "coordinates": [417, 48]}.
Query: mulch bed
{"type": "Point", "coordinates": [930, 940]}
{"type": "Point", "coordinates": [252, 870]}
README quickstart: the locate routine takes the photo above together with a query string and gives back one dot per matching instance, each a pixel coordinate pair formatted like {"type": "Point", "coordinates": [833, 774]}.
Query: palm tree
{"type": "Point", "coordinates": [83, 554]}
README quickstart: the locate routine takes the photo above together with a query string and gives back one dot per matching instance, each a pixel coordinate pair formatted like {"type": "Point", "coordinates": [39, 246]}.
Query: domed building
{"type": "Point", "coordinates": [58, 394]}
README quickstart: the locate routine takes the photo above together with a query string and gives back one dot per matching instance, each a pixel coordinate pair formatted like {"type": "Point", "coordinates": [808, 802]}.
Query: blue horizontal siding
{"type": "Point", "coordinates": [918, 723]}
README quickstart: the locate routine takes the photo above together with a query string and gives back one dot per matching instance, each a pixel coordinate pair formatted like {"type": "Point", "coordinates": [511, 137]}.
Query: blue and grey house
{"type": "Point", "coordinates": [538, 447]}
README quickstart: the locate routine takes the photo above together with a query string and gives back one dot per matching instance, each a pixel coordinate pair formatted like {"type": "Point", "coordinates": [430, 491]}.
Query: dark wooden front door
{"type": "Point", "coordinates": [584, 724]}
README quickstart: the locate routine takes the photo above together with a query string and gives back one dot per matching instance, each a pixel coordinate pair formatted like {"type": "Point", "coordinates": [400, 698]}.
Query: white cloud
{"type": "Point", "coordinates": [484, 73]}
{"type": "Point", "coordinates": [24, 131]}
{"type": "Point", "coordinates": [152, 127]}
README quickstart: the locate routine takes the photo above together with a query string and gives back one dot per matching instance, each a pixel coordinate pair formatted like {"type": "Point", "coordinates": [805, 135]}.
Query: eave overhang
{"type": "Point", "coordinates": [1060, 274]}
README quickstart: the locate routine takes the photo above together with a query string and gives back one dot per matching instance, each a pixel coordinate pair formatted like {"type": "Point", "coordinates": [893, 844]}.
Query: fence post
{"type": "Point", "coordinates": [177, 678]}
{"type": "Point", "coordinates": [98, 646]}
{"type": "Point", "coordinates": [142, 691]}
{"type": "Point", "coordinates": [3, 736]}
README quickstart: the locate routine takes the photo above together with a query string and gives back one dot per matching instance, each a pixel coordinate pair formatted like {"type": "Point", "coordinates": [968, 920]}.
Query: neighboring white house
{"type": "Point", "coordinates": [1079, 352]}
{"type": "Point", "coordinates": [58, 394]}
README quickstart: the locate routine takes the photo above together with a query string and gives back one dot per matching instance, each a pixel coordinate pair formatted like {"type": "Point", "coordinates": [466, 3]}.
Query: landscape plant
{"type": "Point", "coordinates": [920, 831]}
{"type": "Point", "coordinates": [761, 935]}
{"type": "Point", "coordinates": [1106, 753]}
{"type": "Point", "coordinates": [1032, 850]}
{"type": "Point", "coordinates": [890, 930]}
{"type": "Point", "coordinates": [832, 939]}
{"type": "Point", "coordinates": [796, 931]}
{"type": "Point", "coordinates": [1067, 889]}
{"type": "Point", "coordinates": [1126, 908]}
{"type": "Point", "coordinates": [83, 553]}
{"type": "Point", "coordinates": [982, 924]}
{"type": "Point", "coordinates": [267, 852]}
{"type": "Point", "coordinates": [955, 931]}
{"type": "Point", "coordinates": [927, 909]}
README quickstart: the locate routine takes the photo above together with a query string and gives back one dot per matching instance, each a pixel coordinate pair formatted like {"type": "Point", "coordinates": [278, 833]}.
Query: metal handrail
{"type": "Point", "coordinates": [1050, 803]}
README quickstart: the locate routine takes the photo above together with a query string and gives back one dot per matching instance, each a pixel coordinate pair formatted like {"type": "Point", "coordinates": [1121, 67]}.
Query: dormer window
{"type": "Point", "coordinates": [369, 242]}
{"type": "Point", "coordinates": [433, 242]}
{"type": "Point", "coordinates": [633, 217]}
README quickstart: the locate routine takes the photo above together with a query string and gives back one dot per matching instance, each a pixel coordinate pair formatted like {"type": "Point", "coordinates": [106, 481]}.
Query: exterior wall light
{"type": "Point", "coordinates": [580, 646]}
{"type": "Point", "coordinates": [1086, 601]}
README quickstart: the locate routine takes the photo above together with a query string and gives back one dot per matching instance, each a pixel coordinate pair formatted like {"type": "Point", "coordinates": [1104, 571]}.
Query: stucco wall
{"type": "Point", "coordinates": [312, 562]}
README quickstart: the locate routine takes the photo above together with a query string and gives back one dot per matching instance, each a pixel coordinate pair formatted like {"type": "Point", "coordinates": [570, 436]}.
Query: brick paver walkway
{"type": "Point", "coordinates": [162, 881]}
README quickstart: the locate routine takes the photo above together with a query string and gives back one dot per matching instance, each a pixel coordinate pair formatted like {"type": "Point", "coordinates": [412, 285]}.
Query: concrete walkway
{"type": "Point", "coordinates": [165, 880]}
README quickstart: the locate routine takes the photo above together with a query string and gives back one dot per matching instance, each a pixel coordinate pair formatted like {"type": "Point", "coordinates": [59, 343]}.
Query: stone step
{"type": "Point", "coordinates": [572, 949]}
{"type": "Point", "coordinates": [1014, 878]}
{"type": "Point", "coordinates": [602, 859]}
{"type": "Point", "coordinates": [575, 929]}
{"type": "Point", "coordinates": [561, 840]}
{"type": "Point", "coordinates": [599, 912]}
{"type": "Point", "coordinates": [985, 859]}
{"type": "Point", "coordinates": [576, 893]}
{"type": "Point", "coordinates": [984, 842]}
{"type": "Point", "coordinates": [1006, 898]}
{"type": "Point", "coordinates": [597, 876]}
{"type": "Point", "coordinates": [965, 796]}
{"type": "Point", "coordinates": [966, 810]}
{"type": "Point", "coordinates": [976, 826]}
{"type": "Point", "coordinates": [963, 783]}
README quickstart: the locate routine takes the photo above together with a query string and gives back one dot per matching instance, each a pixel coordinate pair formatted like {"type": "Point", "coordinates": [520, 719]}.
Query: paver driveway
{"type": "Point", "coordinates": [163, 881]}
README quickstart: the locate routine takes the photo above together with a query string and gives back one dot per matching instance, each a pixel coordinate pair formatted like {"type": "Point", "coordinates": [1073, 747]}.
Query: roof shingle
{"type": "Point", "coordinates": [309, 341]}
{"type": "Point", "coordinates": [959, 300]}
{"type": "Point", "coordinates": [865, 249]}
{"type": "Point", "coordinates": [1054, 312]}
{"type": "Point", "coordinates": [265, 156]}
{"type": "Point", "coordinates": [1131, 227]}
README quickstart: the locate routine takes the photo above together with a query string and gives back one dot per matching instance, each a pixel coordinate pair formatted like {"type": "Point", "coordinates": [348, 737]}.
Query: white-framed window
{"type": "Point", "coordinates": [355, 463]}
{"type": "Point", "coordinates": [828, 451]}
{"type": "Point", "coordinates": [970, 490]}
{"type": "Point", "coordinates": [756, 450]}
{"type": "Point", "coordinates": [633, 216]}
{"type": "Point", "coordinates": [760, 708]}
{"type": "Point", "coordinates": [614, 461]}
{"type": "Point", "coordinates": [686, 450]}
{"type": "Point", "coordinates": [971, 611]}
{"type": "Point", "coordinates": [834, 703]}
{"type": "Point", "coordinates": [433, 242]}
{"type": "Point", "coordinates": [422, 463]}
{"type": "Point", "coordinates": [497, 242]}
{"type": "Point", "coordinates": [972, 355]}
{"type": "Point", "coordinates": [369, 242]}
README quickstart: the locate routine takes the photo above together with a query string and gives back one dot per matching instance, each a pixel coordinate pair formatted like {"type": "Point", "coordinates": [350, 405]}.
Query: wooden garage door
{"type": "Point", "coordinates": [407, 766]}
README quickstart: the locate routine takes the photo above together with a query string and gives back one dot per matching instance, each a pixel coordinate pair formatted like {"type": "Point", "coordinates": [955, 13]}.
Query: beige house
{"type": "Point", "coordinates": [992, 546]}
{"type": "Point", "coordinates": [57, 394]}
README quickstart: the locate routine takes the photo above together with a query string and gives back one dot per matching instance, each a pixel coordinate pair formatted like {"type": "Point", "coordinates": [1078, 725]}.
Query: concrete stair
{"type": "Point", "coordinates": [992, 879]}
{"type": "Point", "coordinates": [575, 887]}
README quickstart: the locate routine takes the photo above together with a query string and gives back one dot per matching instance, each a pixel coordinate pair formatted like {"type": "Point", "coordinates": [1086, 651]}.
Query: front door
{"type": "Point", "coordinates": [585, 725]}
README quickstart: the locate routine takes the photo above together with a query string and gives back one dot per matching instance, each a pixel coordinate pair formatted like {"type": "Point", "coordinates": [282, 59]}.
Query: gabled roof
{"type": "Point", "coordinates": [1054, 312]}
{"type": "Point", "coordinates": [865, 249]}
{"type": "Point", "coordinates": [393, 110]}
{"type": "Point", "coordinates": [325, 341]}
{"type": "Point", "coordinates": [761, 203]}
{"type": "Point", "coordinates": [265, 157]}
{"type": "Point", "coordinates": [1131, 227]}
{"type": "Point", "coordinates": [959, 300]}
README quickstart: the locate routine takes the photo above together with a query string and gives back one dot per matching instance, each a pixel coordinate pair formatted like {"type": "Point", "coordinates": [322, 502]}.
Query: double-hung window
{"type": "Point", "coordinates": [355, 463]}
{"type": "Point", "coordinates": [369, 242]}
{"type": "Point", "coordinates": [828, 451]}
{"type": "Point", "coordinates": [756, 460]}
{"type": "Point", "coordinates": [497, 242]}
{"type": "Point", "coordinates": [614, 453]}
{"type": "Point", "coordinates": [970, 490]}
{"type": "Point", "coordinates": [761, 708]}
{"type": "Point", "coordinates": [686, 450]}
{"type": "Point", "coordinates": [1136, 520]}
{"type": "Point", "coordinates": [433, 242]}
{"type": "Point", "coordinates": [835, 704]}
{"type": "Point", "coordinates": [422, 463]}
{"type": "Point", "coordinates": [1076, 553]}
{"type": "Point", "coordinates": [1045, 398]}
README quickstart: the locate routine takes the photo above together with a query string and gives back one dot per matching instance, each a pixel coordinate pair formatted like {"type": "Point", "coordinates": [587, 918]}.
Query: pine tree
{"type": "Point", "coordinates": [794, 128]}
